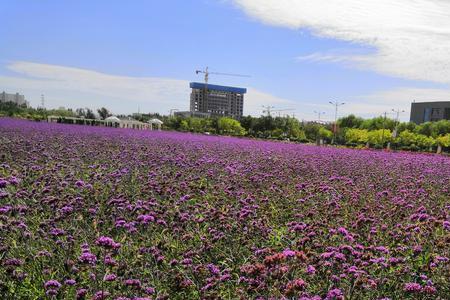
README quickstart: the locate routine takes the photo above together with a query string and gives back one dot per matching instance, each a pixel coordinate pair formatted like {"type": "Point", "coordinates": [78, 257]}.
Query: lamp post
{"type": "Point", "coordinates": [319, 113]}
{"type": "Point", "coordinates": [336, 105]}
{"type": "Point", "coordinates": [397, 120]}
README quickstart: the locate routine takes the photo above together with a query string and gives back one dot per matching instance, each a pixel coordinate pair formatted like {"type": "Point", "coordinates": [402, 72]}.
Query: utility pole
{"type": "Point", "coordinates": [319, 113]}
{"type": "Point", "coordinates": [267, 109]}
{"type": "Point", "coordinates": [384, 125]}
{"type": "Point", "coordinates": [397, 120]}
{"type": "Point", "coordinates": [336, 105]}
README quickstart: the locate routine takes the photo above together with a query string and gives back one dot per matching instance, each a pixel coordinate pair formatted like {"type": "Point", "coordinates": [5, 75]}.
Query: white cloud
{"type": "Point", "coordinates": [377, 103]}
{"type": "Point", "coordinates": [75, 87]}
{"type": "Point", "coordinates": [411, 38]}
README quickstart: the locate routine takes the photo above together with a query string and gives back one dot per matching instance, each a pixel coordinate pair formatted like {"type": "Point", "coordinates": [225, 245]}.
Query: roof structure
{"type": "Point", "coordinates": [156, 121]}
{"type": "Point", "coordinates": [112, 119]}
{"type": "Point", "coordinates": [220, 88]}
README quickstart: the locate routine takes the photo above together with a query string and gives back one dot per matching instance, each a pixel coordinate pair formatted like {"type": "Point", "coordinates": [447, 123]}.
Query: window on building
{"type": "Point", "coordinates": [447, 113]}
{"type": "Point", "coordinates": [427, 114]}
{"type": "Point", "coordinates": [435, 114]}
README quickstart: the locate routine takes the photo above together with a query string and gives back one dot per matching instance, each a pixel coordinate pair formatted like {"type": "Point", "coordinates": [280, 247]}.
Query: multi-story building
{"type": "Point", "coordinates": [16, 98]}
{"type": "Point", "coordinates": [422, 112]}
{"type": "Point", "coordinates": [217, 100]}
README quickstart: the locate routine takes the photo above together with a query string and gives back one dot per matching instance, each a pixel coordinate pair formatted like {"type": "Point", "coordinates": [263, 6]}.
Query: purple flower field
{"type": "Point", "coordinates": [101, 213]}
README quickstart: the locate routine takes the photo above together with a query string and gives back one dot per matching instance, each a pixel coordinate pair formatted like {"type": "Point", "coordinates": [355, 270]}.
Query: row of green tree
{"type": "Point", "coordinates": [379, 132]}
{"type": "Point", "coordinates": [350, 131]}
{"type": "Point", "coordinates": [11, 109]}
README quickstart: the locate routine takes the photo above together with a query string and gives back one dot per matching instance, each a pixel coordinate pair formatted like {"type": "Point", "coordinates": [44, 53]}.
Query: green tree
{"type": "Point", "coordinates": [426, 128]}
{"type": "Point", "coordinates": [89, 114]}
{"type": "Point", "coordinates": [441, 127]}
{"type": "Point", "coordinates": [184, 126]}
{"type": "Point", "coordinates": [293, 129]}
{"type": "Point", "coordinates": [379, 137]}
{"type": "Point", "coordinates": [325, 134]}
{"type": "Point", "coordinates": [407, 138]}
{"type": "Point", "coordinates": [230, 126]}
{"type": "Point", "coordinates": [312, 131]}
{"type": "Point", "coordinates": [195, 125]}
{"type": "Point", "coordinates": [411, 126]}
{"type": "Point", "coordinates": [103, 113]}
{"type": "Point", "coordinates": [356, 136]}
{"type": "Point", "coordinates": [350, 121]}
{"type": "Point", "coordinates": [425, 142]}
{"type": "Point", "coordinates": [378, 123]}
{"type": "Point", "coordinates": [443, 141]}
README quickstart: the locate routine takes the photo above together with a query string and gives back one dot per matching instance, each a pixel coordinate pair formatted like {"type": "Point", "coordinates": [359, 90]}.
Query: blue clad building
{"type": "Point", "coordinates": [217, 100]}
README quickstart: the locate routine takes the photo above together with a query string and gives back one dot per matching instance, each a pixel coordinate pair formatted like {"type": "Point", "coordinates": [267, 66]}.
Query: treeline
{"type": "Point", "coordinates": [11, 109]}
{"type": "Point", "coordinates": [350, 131]}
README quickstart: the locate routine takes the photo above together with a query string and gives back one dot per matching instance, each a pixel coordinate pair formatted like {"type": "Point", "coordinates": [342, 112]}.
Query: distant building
{"type": "Point", "coordinates": [217, 100]}
{"type": "Point", "coordinates": [192, 114]}
{"type": "Point", "coordinates": [108, 122]}
{"type": "Point", "coordinates": [15, 98]}
{"type": "Point", "coordinates": [422, 112]}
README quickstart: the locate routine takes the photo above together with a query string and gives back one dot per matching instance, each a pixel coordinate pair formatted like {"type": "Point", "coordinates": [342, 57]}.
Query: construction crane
{"type": "Point", "coordinates": [207, 73]}
{"type": "Point", "coordinates": [279, 111]}
{"type": "Point", "coordinates": [270, 109]}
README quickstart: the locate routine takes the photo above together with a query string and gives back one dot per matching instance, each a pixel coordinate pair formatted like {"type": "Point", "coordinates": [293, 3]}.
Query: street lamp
{"type": "Point", "coordinates": [319, 113]}
{"type": "Point", "coordinates": [397, 120]}
{"type": "Point", "coordinates": [336, 104]}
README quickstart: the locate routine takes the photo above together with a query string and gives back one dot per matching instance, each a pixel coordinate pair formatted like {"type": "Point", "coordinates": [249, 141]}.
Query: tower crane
{"type": "Point", "coordinates": [281, 110]}
{"type": "Point", "coordinates": [207, 73]}
{"type": "Point", "coordinates": [270, 109]}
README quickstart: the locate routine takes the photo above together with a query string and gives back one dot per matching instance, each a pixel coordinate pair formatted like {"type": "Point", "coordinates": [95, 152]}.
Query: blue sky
{"type": "Point", "coordinates": [300, 54]}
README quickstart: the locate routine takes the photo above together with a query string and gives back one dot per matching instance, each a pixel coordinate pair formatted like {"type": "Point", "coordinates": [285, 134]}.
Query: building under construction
{"type": "Point", "coordinates": [217, 100]}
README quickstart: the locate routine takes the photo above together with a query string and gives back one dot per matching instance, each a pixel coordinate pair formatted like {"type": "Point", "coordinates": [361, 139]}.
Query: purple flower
{"type": "Point", "coordinates": [88, 258]}
{"type": "Point", "coordinates": [213, 269]}
{"type": "Point", "coordinates": [342, 231]}
{"type": "Point", "coordinates": [334, 294]}
{"type": "Point", "coordinates": [132, 282]}
{"type": "Point", "coordinates": [109, 261]}
{"type": "Point", "coordinates": [110, 277]}
{"type": "Point", "coordinates": [412, 287]}
{"type": "Point", "coordinates": [100, 295]}
{"type": "Point", "coordinates": [107, 242]}
{"type": "Point", "coordinates": [149, 291]}
{"type": "Point", "coordinates": [310, 270]}
{"type": "Point", "coordinates": [3, 183]}
{"type": "Point", "coordinates": [288, 253]}
{"type": "Point", "coordinates": [57, 232]}
{"type": "Point", "coordinates": [51, 292]}
{"type": "Point", "coordinates": [446, 225]}
{"type": "Point", "coordinates": [13, 262]}
{"type": "Point", "coordinates": [5, 209]}
{"type": "Point", "coordinates": [52, 284]}
{"type": "Point", "coordinates": [145, 219]}
{"type": "Point", "coordinates": [79, 183]}
{"type": "Point", "coordinates": [81, 293]}
{"type": "Point", "coordinates": [70, 282]}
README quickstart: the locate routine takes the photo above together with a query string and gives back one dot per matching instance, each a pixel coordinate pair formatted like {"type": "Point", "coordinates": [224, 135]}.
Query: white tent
{"type": "Point", "coordinates": [157, 122]}
{"type": "Point", "coordinates": [112, 119]}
